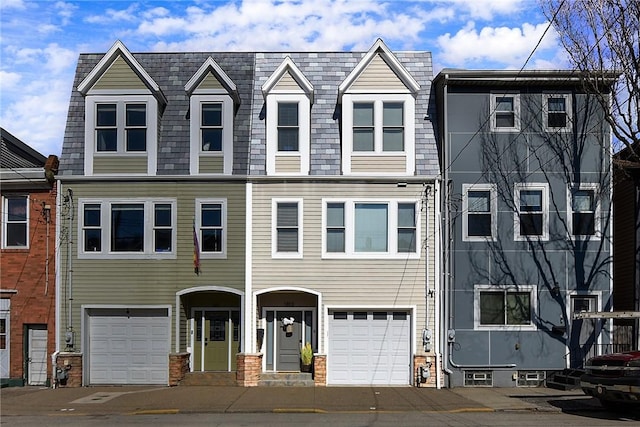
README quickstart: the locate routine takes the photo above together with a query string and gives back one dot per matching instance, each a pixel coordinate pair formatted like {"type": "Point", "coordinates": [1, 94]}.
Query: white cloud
{"type": "Point", "coordinates": [12, 4]}
{"type": "Point", "coordinates": [488, 9]}
{"type": "Point", "coordinates": [503, 45]}
{"type": "Point", "coordinates": [113, 15]}
{"type": "Point", "coordinates": [65, 11]}
{"type": "Point", "coordinates": [9, 81]}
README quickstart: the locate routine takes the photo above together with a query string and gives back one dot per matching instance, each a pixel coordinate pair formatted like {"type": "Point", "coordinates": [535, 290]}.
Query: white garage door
{"type": "Point", "coordinates": [128, 346]}
{"type": "Point", "coordinates": [369, 347]}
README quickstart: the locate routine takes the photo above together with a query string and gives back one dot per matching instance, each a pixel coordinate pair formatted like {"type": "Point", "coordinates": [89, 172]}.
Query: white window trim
{"type": "Point", "coordinates": [105, 227]}
{"type": "Point", "coordinates": [225, 230]}
{"type": "Point", "coordinates": [596, 214]}
{"type": "Point", "coordinates": [304, 125]}
{"type": "Point", "coordinates": [90, 149]}
{"type": "Point", "coordinates": [274, 229]}
{"type": "Point", "coordinates": [516, 108]}
{"type": "Point", "coordinates": [5, 220]}
{"type": "Point", "coordinates": [195, 108]}
{"type": "Point", "coordinates": [493, 200]}
{"type": "Point", "coordinates": [378, 99]}
{"type": "Point", "coordinates": [532, 289]}
{"type": "Point", "coordinates": [545, 211]}
{"type": "Point", "coordinates": [392, 227]}
{"type": "Point", "coordinates": [568, 111]}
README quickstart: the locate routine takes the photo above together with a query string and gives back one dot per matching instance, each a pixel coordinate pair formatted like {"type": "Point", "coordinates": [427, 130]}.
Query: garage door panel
{"type": "Point", "coordinates": [369, 348]}
{"type": "Point", "coordinates": [129, 347]}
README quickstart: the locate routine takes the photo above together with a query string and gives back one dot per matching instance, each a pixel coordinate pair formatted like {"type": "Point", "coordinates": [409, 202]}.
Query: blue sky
{"type": "Point", "coordinates": [40, 40]}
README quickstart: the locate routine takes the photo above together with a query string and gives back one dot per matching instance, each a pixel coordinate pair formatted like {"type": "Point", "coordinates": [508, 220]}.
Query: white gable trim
{"type": "Point", "coordinates": [380, 48]}
{"type": "Point", "coordinates": [119, 48]}
{"type": "Point", "coordinates": [290, 66]}
{"type": "Point", "coordinates": [211, 65]}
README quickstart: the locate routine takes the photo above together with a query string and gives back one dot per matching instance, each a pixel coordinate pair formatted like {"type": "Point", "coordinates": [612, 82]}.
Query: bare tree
{"type": "Point", "coordinates": [602, 39]}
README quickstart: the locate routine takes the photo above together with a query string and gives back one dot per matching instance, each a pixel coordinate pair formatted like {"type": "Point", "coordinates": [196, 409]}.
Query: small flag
{"type": "Point", "coordinates": [196, 251]}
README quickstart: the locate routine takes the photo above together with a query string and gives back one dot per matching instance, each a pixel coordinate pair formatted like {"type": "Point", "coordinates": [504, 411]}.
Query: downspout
{"type": "Point", "coordinates": [69, 334]}
{"type": "Point", "coordinates": [436, 274]}
{"type": "Point", "coordinates": [54, 355]}
{"type": "Point", "coordinates": [446, 232]}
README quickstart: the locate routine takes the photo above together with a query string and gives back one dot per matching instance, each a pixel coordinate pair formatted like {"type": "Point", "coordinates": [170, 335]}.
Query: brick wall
{"type": "Point", "coordinates": [72, 364]}
{"type": "Point", "coordinates": [249, 368]}
{"type": "Point", "coordinates": [320, 370]}
{"type": "Point", "coordinates": [25, 281]}
{"type": "Point", "coordinates": [420, 360]}
{"type": "Point", "coordinates": [178, 367]}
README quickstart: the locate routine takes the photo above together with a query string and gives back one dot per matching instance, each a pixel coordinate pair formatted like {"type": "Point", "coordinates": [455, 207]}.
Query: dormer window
{"type": "Point", "coordinates": [211, 128]}
{"type": "Point", "coordinates": [288, 126]}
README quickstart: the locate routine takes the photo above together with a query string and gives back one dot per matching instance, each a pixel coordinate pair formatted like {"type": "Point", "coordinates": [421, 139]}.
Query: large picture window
{"type": "Point", "coordinates": [127, 228]}
{"type": "Point", "coordinates": [15, 222]}
{"type": "Point", "coordinates": [370, 228]}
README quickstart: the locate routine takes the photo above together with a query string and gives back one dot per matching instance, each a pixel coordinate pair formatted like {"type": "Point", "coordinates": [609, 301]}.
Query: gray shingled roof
{"type": "Point", "coordinates": [325, 70]}
{"type": "Point", "coordinates": [15, 154]}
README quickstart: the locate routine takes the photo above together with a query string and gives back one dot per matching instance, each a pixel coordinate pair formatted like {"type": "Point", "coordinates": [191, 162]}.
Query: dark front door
{"type": "Point", "coordinates": [289, 340]}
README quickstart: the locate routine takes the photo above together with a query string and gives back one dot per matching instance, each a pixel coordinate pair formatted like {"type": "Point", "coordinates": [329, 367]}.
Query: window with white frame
{"type": "Point", "coordinates": [505, 112]}
{"type": "Point", "coordinates": [211, 224]}
{"type": "Point", "coordinates": [378, 126]}
{"type": "Point", "coordinates": [557, 112]}
{"type": "Point", "coordinates": [288, 126]}
{"type": "Point", "coordinates": [532, 211]}
{"type": "Point", "coordinates": [127, 228]}
{"type": "Point", "coordinates": [504, 307]}
{"type": "Point", "coordinates": [121, 127]}
{"type": "Point", "coordinates": [479, 207]}
{"type": "Point", "coordinates": [15, 221]}
{"type": "Point", "coordinates": [370, 228]}
{"type": "Point", "coordinates": [583, 215]}
{"type": "Point", "coordinates": [211, 129]}
{"type": "Point", "coordinates": [287, 228]}
{"type": "Point", "coordinates": [288, 132]}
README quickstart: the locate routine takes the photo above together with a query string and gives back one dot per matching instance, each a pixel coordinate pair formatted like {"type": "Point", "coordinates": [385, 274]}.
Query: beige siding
{"type": "Point", "coordinates": [287, 164]}
{"type": "Point", "coordinates": [288, 83]}
{"type": "Point", "coordinates": [377, 75]}
{"type": "Point", "coordinates": [210, 82]}
{"type": "Point", "coordinates": [119, 76]}
{"type": "Point", "coordinates": [120, 164]}
{"type": "Point", "coordinates": [211, 164]}
{"type": "Point", "coordinates": [376, 164]}
{"type": "Point", "coordinates": [357, 282]}
{"type": "Point", "coordinates": [147, 281]}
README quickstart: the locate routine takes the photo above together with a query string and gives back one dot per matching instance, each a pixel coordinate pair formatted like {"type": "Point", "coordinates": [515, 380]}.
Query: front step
{"type": "Point", "coordinates": [286, 379]}
{"type": "Point", "coordinates": [227, 379]}
{"type": "Point", "coordinates": [568, 379]}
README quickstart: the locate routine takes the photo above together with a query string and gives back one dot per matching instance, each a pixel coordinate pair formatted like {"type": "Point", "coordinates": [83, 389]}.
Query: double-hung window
{"type": "Point", "coordinates": [288, 126]}
{"type": "Point", "coordinates": [15, 222]}
{"type": "Point", "coordinates": [211, 223]}
{"type": "Point", "coordinates": [532, 211]}
{"type": "Point", "coordinates": [499, 307]}
{"type": "Point", "coordinates": [121, 127]}
{"type": "Point", "coordinates": [287, 228]}
{"type": "Point", "coordinates": [583, 214]}
{"type": "Point", "coordinates": [378, 127]}
{"type": "Point", "coordinates": [557, 112]}
{"type": "Point", "coordinates": [479, 207]}
{"type": "Point", "coordinates": [370, 228]}
{"type": "Point", "coordinates": [505, 112]}
{"type": "Point", "coordinates": [211, 130]}
{"type": "Point", "coordinates": [127, 228]}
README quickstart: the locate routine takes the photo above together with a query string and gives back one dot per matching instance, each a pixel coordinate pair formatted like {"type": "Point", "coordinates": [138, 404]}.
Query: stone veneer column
{"type": "Point", "coordinates": [320, 370]}
{"type": "Point", "coordinates": [178, 367]}
{"type": "Point", "coordinates": [249, 368]}
{"type": "Point", "coordinates": [71, 363]}
{"type": "Point", "coordinates": [419, 360]}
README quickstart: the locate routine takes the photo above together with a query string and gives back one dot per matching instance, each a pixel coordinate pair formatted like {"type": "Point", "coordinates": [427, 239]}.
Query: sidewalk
{"type": "Point", "coordinates": [209, 399]}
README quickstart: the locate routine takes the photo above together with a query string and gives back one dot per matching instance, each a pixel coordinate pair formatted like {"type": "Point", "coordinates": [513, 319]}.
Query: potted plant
{"type": "Point", "coordinates": [306, 357]}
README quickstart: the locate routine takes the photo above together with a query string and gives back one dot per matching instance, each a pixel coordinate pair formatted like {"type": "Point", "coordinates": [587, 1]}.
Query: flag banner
{"type": "Point", "coordinates": [196, 251]}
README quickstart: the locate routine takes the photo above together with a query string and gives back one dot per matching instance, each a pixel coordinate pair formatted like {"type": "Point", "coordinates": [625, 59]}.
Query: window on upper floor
{"type": "Point", "coordinates": [378, 125]}
{"type": "Point", "coordinates": [211, 129]}
{"type": "Point", "coordinates": [288, 134]}
{"type": "Point", "coordinates": [121, 127]}
{"type": "Point", "coordinates": [125, 228]}
{"type": "Point", "coordinates": [370, 229]}
{"type": "Point", "coordinates": [557, 112]}
{"type": "Point", "coordinates": [505, 112]}
{"type": "Point", "coordinates": [504, 307]}
{"type": "Point", "coordinates": [288, 126]}
{"type": "Point", "coordinates": [211, 224]}
{"type": "Point", "coordinates": [583, 213]}
{"type": "Point", "coordinates": [287, 228]}
{"type": "Point", "coordinates": [532, 211]}
{"type": "Point", "coordinates": [479, 208]}
{"type": "Point", "coordinates": [15, 222]}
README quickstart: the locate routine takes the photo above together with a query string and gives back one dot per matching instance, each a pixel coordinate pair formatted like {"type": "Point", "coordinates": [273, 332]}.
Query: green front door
{"type": "Point", "coordinates": [216, 340]}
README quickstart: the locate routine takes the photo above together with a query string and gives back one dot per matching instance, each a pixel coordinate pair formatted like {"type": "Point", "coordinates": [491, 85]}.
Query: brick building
{"type": "Point", "coordinates": [27, 291]}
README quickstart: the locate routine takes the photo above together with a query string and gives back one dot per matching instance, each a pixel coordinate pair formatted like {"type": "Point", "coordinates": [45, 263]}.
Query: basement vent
{"type": "Point", "coordinates": [530, 378]}
{"type": "Point", "coordinates": [478, 378]}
